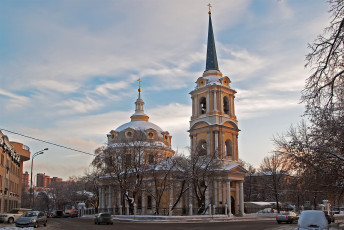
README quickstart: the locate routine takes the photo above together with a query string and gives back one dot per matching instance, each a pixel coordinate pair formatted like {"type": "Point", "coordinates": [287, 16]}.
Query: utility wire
{"type": "Point", "coordinates": [47, 142]}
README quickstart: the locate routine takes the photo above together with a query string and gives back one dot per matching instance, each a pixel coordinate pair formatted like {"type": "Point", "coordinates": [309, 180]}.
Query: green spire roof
{"type": "Point", "coordinates": [211, 50]}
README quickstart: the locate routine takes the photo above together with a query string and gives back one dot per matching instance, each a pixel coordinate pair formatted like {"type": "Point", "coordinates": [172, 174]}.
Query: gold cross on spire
{"type": "Point", "coordinates": [139, 85]}
{"type": "Point", "coordinates": [209, 8]}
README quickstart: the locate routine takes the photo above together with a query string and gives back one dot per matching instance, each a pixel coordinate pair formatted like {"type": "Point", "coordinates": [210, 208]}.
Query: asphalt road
{"type": "Point", "coordinates": [85, 224]}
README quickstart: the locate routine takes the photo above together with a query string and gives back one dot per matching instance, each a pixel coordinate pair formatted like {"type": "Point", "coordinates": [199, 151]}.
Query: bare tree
{"type": "Point", "coordinates": [274, 169]}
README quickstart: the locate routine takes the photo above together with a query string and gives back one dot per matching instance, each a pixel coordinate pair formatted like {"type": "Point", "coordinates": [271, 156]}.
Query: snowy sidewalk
{"type": "Point", "coordinates": [187, 219]}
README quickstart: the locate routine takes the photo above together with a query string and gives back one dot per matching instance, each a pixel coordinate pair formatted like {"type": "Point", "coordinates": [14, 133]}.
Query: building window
{"type": "Point", "coordinates": [226, 105]}
{"type": "Point", "coordinates": [229, 148]}
{"type": "Point", "coordinates": [203, 105]}
{"type": "Point", "coordinates": [129, 134]}
{"type": "Point", "coordinates": [150, 135]}
{"type": "Point", "coordinates": [128, 159]}
{"type": "Point", "coordinates": [149, 202]}
{"type": "Point", "coordinates": [202, 148]}
{"type": "Point", "coordinates": [151, 158]}
{"type": "Point", "coordinates": [139, 202]}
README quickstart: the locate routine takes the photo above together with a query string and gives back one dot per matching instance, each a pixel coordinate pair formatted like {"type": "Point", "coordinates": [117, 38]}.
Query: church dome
{"type": "Point", "coordinates": [140, 125]}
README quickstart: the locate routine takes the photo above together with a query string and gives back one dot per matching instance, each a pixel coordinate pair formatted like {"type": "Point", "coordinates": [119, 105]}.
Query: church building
{"type": "Point", "coordinates": [160, 187]}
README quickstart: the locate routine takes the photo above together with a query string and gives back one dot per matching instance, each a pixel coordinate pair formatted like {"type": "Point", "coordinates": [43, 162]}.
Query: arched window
{"type": "Point", "coordinates": [226, 105]}
{"type": "Point", "coordinates": [229, 148]}
{"type": "Point", "coordinates": [203, 105]}
{"type": "Point", "coordinates": [202, 148]}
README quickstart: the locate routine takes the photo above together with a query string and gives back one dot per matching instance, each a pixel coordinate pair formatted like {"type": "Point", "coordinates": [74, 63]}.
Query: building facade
{"type": "Point", "coordinates": [12, 154]}
{"type": "Point", "coordinates": [213, 135]}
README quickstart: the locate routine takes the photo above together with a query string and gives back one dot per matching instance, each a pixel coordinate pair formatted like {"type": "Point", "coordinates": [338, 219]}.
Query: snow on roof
{"type": "Point", "coordinates": [140, 143]}
{"type": "Point", "coordinates": [230, 166]}
{"type": "Point", "coordinates": [260, 203]}
{"type": "Point", "coordinates": [140, 125]}
{"type": "Point", "coordinates": [213, 79]}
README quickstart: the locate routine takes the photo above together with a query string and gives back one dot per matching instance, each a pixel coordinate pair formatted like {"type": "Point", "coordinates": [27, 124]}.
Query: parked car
{"type": "Point", "coordinates": [105, 218]}
{"type": "Point", "coordinates": [312, 219]}
{"type": "Point", "coordinates": [13, 215]}
{"type": "Point", "coordinates": [32, 219]}
{"type": "Point", "coordinates": [287, 217]}
{"type": "Point", "coordinates": [74, 213]}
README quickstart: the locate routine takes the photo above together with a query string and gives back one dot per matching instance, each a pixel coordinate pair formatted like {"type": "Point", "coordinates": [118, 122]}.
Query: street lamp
{"type": "Point", "coordinates": [33, 156]}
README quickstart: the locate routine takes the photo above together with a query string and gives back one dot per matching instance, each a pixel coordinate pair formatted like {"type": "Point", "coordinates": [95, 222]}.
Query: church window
{"type": "Point", "coordinates": [149, 202]}
{"type": "Point", "coordinates": [202, 148]}
{"type": "Point", "coordinates": [226, 105]}
{"type": "Point", "coordinates": [129, 134]}
{"type": "Point", "coordinates": [203, 105]}
{"type": "Point", "coordinates": [229, 148]}
{"type": "Point", "coordinates": [151, 158]}
{"type": "Point", "coordinates": [128, 159]}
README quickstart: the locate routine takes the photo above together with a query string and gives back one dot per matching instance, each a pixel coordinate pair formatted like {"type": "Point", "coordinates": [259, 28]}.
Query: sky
{"type": "Point", "coordinates": [69, 69]}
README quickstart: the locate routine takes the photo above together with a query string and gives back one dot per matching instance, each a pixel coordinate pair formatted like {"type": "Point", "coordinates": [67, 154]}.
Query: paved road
{"type": "Point", "coordinates": [80, 223]}
{"type": "Point", "coordinates": [85, 224]}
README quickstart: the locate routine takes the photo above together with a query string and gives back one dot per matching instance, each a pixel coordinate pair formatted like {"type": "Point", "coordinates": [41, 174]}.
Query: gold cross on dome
{"type": "Point", "coordinates": [209, 8]}
{"type": "Point", "coordinates": [139, 85]}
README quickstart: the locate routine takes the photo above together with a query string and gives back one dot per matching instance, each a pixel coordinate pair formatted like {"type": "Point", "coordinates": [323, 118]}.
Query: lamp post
{"type": "Point", "coordinates": [31, 193]}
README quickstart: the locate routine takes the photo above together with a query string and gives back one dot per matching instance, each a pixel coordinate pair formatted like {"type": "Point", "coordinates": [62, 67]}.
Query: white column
{"type": "Point", "coordinates": [242, 211]}
{"type": "Point", "coordinates": [193, 106]}
{"type": "Point", "coordinates": [232, 110]}
{"type": "Point", "coordinates": [171, 198]}
{"type": "Point", "coordinates": [190, 199]}
{"type": "Point", "coordinates": [109, 197]}
{"type": "Point", "coordinates": [220, 193]}
{"type": "Point", "coordinates": [143, 202]}
{"type": "Point", "coordinates": [237, 198]}
{"type": "Point", "coordinates": [208, 103]}
{"type": "Point", "coordinates": [216, 141]}
{"type": "Point", "coordinates": [221, 102]}
{"type": "Point", "coordinates": [194, 143]}
{"type": "Point", "coordinates": [196, 106]}
{"type": "Point", "coordinates": [215, 192]}
{"type": "Point", "coordinates": [223, 153]}
{"type": "Point", "coordinates": [215, 101]}
{"type": "Point", "coordinates": [229, 198]}
{"type": "Point", "coordinates": [119, 201]}
{"type": "Point", "coordinates": [207, 202]}
{"type": "Point", "coordinates": [100, 205]}
{"type": "Point", "coordinates": [103, 198]}
{"type": "Point", "coordinates": [208, 143]}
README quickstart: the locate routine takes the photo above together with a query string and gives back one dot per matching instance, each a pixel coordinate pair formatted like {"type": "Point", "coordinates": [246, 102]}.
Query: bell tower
{"type": "Point", "coordinates": [213, 124]}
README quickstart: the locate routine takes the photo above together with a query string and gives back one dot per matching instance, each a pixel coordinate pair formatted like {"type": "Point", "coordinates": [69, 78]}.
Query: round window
{"type": "Point", "coordinates": [129, 134]}
{"type": "Point", "coordinates": [150, 135]}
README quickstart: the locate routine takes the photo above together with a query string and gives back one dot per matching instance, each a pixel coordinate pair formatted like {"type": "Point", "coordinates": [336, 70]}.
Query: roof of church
{"type": "Point", "coordinates": [139, 125]}
{"type": "Point", "coordinates": [139, 120]}
{"type": "Point", "coordinates": [211, 63]}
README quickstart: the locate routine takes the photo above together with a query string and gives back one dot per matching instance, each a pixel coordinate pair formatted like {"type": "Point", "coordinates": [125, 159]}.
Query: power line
{"type": "Point", "coordinates": [47, 142]}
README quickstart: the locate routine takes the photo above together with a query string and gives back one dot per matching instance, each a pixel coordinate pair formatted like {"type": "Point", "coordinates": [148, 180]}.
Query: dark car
{"type": "Point", "coordinates": [329, 217]}
{"type": "Point", "coordinates": [105, 218]}
{"type": "Point", "coordinates": [287, 217]}
{"type": "Point", "coordinates": [32, 219]}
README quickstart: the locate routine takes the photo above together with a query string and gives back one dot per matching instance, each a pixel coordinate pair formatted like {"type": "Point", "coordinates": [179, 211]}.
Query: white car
{"type": "Point", "coordinates": [312, 220]}
{"type": "Point", "coordinates": [12, 215]}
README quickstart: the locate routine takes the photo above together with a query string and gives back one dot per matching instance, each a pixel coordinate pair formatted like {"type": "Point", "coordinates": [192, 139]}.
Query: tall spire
{"type": "Point", "coordinates": [211, 63]}
{"type": "Point", "coordinates": [139, 114]}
